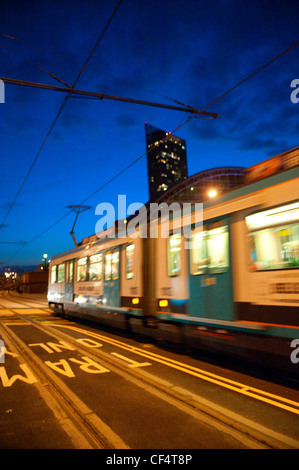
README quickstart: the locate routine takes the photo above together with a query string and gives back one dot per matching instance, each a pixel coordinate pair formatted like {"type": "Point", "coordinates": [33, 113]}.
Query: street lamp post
{"type": "Point", "coordinates": [45, 262]}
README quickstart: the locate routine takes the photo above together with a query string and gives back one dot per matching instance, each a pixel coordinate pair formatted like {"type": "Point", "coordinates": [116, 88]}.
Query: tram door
{"type": "Point", "coordinates": [69, 281]}
{"type": "Point", "coordinates": [211, 294]}
{"type": "Point", "coordinates": [112, 277]}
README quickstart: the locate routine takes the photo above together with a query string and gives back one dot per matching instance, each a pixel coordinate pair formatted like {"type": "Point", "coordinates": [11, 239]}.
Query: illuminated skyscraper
{"type": "Point", "coordinates": [166, 160]}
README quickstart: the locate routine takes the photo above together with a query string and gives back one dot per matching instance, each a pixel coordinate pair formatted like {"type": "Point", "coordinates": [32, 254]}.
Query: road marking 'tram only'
{"type": "Point", "coordinates": [261, 395]}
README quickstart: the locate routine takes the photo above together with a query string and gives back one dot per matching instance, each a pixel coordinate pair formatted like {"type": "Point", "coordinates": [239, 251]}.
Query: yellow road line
{"type": "Point", "coordinates": [5, 312]}
{"type": "Point", "coordinates": [261, 395]}
{"type": "Point", "coordinates": [29, 310]}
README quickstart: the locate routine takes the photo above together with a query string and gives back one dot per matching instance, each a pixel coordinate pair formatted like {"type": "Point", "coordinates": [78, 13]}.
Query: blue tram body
{"type": "Point", "coordinates": [234, 290]}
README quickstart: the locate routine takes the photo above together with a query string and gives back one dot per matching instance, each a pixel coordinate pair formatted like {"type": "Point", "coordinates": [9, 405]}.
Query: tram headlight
{"type": "Point", "coordinates": [81, 299]}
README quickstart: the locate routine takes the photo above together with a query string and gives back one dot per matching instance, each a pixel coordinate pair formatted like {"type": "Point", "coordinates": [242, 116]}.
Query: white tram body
{"type": "Point", "coordinates": [234, 289]}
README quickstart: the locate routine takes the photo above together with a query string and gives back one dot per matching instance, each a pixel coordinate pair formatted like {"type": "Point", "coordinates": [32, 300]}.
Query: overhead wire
{"type": "Point", "coordinates": [60, 110]}
{"type": "Point", "coordinates": [251, 75]}
{"type": "Point", "coordinates": [101, 96]}
{"type": "Point", "coordinates": [190, 118]}
{"type": "Point", "coordinates": [175, 130]}
{"type": "Point", "coordinates": [69, 59]}
{"type": "Point", "coordinates": [34, 64]}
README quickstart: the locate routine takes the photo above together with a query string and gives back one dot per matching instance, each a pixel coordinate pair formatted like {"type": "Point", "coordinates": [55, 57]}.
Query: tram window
{"type": "Point", "coordinates": [218, 250]}
{"type": "Point", "coordinates": [53, 274]}
{"type": "Point", "coordinates": [130, 254]}
{"type": "Point", "coordinates": [95, 268]}
{"type": "Point", "coordinates": [108, 266]}
{"type": "Point", "coordinates": [115, 265]}
{"type": "Point", "coordinates": [81, 269]}
{"type": "Point", "coordinates": [174, 255]}
{"type": "Point", "coordinates": [69, 271]}
{"type": "Point", "coordinates": [198, 253]}
{"type": "Point", "coordinates": [210, 250]}
{"type": "Point", "coordinates": [61, 270]}
{"type": "Point", "coordinates": [274, 238]}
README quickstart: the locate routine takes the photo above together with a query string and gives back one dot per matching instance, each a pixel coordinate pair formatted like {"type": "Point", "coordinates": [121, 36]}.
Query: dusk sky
{"type": "Point", "coordinates": [192, 51]}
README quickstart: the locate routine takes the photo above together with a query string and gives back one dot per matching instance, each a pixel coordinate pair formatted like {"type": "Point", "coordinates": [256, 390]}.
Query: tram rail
{"type": "Point", "coordinates": [85, 429]}
{"type": "Point", "coordinates": [95, 433]}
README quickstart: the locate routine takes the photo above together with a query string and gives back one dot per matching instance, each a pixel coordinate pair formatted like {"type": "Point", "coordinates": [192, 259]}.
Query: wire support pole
{"type": "Point", "coordinates": [70, 90]}
{"type": "Point", "coordinates": [101, 96]}
{"type": "Point", "coordinates": [78, 209]}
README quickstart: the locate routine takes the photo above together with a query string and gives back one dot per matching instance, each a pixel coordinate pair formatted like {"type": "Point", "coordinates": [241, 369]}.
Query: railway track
{"type": "Point", "coordinates": [26, 301]}
{"type": "Point", "coordinates": [86, 428]}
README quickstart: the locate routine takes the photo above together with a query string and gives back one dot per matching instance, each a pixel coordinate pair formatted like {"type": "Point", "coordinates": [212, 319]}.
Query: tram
{"type": "Point", "coordinates": [231, 286]}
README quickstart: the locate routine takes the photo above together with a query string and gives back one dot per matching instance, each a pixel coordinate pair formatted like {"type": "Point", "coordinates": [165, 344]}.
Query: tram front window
{"type": "Point", "coordinates": [95, 268]}
{"type": "Point", "coordinates": [174, 255]}
{"type": "Point", "coordinates": [274, 238]}
{"type": "Point", "coordinates": [82, 270]}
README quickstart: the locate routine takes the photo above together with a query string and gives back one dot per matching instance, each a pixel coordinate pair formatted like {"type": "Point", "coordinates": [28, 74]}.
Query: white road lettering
{"type": "Point", "coordinates": [90, 343]}
{"type": "Point", "coordinates": [62, 367]}
{"type": "Point", "coordinates": [28, 378]}
{"type": "Point", "coordinates": [43, 346]}
{"type": "Point", "coordinates": [62, 345]}
{"type": "Point", "coordinates": [132, 363]}
{"type": "Point", "coordinates": [90, 366]}
{"type": "Point", "coordinates": [86, 364]}
{"type": "Point", "coordinates": [5, 351]}
{"type": "Point", "coordinates": [54, 347]}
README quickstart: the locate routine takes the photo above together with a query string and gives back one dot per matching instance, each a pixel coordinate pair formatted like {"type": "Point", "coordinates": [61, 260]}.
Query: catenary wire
{"type": "Point", "coordinates": [251, 75]}
{"type": "Point", "coordinates": [101, 96]}
{"type": "Point", "coordinates": [189, 119]}
{"type": "Point", "coordinates": [104, 72]}
{"type": "Point", "coordinates": [60, 110]}
{"type": "Point", "coordinates": [35, 65]}
{"type": "Point", "coordinates": [140, 157]}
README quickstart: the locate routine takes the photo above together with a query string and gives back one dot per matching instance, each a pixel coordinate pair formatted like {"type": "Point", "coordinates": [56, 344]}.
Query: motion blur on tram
{"type": "Point", "coordinates": [230, 286]}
